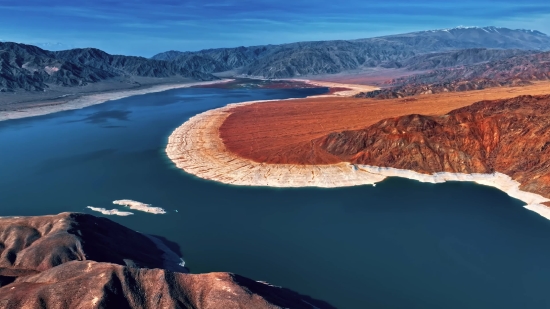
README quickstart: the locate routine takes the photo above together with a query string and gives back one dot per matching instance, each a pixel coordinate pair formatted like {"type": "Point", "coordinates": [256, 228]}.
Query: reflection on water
{"type": "Point", "coordinates": [104, 116]}
{"type": "Point", "coordinates": [71, 161]}
{"type": "Point", "coordinates": [401, 244]}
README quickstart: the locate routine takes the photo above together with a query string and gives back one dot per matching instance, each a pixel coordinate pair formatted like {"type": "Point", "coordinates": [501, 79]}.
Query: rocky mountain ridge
{"type": "Point", "coordinates": [328, 57]}
{"type": "Point", "coordinates": [27, 67]}
{"type": "Point", "coordinates": [475, 37]}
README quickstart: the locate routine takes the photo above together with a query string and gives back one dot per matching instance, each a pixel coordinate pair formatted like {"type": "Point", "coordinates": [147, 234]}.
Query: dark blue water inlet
{"type": "Point", "coordinates": [401, 244]}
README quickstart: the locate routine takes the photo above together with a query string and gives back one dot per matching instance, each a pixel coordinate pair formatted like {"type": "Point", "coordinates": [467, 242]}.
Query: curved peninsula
{"type": "Point", "coordinates": [327, 141]}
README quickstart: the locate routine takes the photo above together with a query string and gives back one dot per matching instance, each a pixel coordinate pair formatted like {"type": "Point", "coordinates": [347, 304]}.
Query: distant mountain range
{"type": "Point", "coordinates": [27, 67]}
{"type": "Point", "coordinates": [513, 71]}
{"type": "Point", "coordinates": [328, 57]}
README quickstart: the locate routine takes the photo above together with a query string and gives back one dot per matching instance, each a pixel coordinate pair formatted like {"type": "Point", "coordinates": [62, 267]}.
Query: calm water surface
{"type": "Point", "coordinates": [401, 244]}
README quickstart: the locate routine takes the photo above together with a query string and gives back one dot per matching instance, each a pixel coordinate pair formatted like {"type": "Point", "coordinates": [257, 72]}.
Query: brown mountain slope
{"type": "Point", "coordinates": [40, 243]}
{"type": "Point", "coordinates": [514, 71]}
{"type": "Point", "coordinates": [508, 136]}
{"type": "Point", "coordinates": [104, 285]}
{"type": "Point", "coordinates": [81, 261]}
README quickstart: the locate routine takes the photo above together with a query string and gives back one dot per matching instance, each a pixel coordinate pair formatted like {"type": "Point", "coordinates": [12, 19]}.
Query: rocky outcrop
{"type": "Point", "coordinates": [35, 244]}
{"type": "Point", "coordinates": [411, 50]}
{"type": "Point", "coordinates": [507, 136]}
{"type": "Point", "coordinates": [106, 285]}
{"type": "Point", "coordinates": [81, 261]}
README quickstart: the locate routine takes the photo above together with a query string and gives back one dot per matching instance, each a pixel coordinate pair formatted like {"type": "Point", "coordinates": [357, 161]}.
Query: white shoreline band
{"type": "Point", "coordinates": [197, 148]}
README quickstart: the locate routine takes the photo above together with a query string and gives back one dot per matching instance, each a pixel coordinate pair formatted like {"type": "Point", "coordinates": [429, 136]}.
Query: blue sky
{"type": "Point", "coordinates": [145, 28]}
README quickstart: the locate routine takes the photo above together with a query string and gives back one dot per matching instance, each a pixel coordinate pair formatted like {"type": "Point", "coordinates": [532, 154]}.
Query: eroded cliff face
{"type": "Point", "coordinates": [81, 261]}
{"type": "Point", "coordinates": [508, 136]}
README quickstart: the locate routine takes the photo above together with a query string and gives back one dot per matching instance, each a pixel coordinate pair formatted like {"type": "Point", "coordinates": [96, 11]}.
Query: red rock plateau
{"type": "Point", "coordinates": [426, 134]}
{"type": "Point", "coordinates": [81, 261]}
{"type": "Point", "coordinates": [282, 131]}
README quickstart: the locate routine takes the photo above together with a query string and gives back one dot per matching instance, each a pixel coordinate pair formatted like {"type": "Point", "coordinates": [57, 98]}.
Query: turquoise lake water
{"type": "Point", "coordinates": [401, 244]}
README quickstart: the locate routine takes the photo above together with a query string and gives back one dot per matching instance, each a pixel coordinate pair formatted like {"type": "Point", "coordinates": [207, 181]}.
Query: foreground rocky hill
{"type": "Point", "coordinates": [327, 57]}
{"type": "Point", "coordinates": [27, 67]}
{"type": "Point", "coordinates": [80, 261]}
{"type": "Point", "coordinates": [508, 136]}
{"type": "Point", "coordinates": [515, 71]}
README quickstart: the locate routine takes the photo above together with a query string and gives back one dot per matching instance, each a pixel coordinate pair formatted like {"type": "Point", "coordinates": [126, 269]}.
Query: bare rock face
{"type": "Point", "coordinates": [34, 244]}
{"type": "Point", "coordinates": [80, 261]}
{"type": "Point", "coordinates": [507, 136]}
{"type": "Point", "coordinates": [105, 285]}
